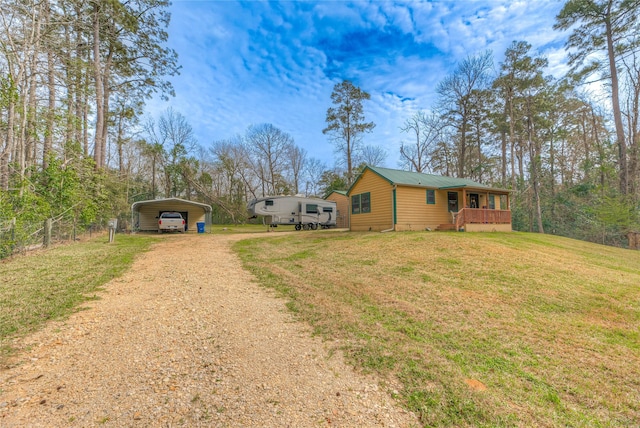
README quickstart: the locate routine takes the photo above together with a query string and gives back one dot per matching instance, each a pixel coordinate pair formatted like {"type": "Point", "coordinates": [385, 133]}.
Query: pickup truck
{"type": "Point", "coordinates": [170, 221]}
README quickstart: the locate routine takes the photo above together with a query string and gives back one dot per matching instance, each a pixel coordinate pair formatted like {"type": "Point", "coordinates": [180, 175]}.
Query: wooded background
{"type": "Point", "coordinates": [74, 143]}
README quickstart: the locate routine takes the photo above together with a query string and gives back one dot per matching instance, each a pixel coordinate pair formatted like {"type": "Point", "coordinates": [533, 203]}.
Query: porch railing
{"type": "Point", "coordinates": [481, 215]}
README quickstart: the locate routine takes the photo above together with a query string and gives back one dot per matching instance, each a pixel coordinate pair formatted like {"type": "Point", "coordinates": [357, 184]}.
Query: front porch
{"type": "Point", "coordinates": [483, 211]}
{"type": "Point", "coordinates": [483, 220]}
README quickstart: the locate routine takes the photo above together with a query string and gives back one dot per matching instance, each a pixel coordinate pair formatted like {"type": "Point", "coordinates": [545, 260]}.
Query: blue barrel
{"type": "Point", "coordinates": [200, 225]}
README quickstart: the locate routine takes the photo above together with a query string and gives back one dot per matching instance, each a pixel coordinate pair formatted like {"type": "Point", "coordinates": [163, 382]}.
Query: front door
{"type": "Point", "coordinates": [474, 200]}
{"type": "Point", "coordinates": [452, 197]}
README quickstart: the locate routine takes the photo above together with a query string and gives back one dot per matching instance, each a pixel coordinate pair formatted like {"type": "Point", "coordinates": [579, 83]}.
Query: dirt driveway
{"type": "Point", "coordinates": [198, 345]}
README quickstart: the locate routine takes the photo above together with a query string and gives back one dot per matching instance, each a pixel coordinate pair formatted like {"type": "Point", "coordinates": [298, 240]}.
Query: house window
{"type": "Point", "coordinates": [355, 204]}
{"type": "Point", "coordinates": [312, 209]}
{"type": "Point", "coordinates": [365, 203]}
{"type": "Point", "coordinates": [431, 196]}
{"type": "Point", "coordinates": [361, 204]}
{"type": "Point", "coordinates": [492, 202]}
{"type": "Point", "coordinates": [453, 201]}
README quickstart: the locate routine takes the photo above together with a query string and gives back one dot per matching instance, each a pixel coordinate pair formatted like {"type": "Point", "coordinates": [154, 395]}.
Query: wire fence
{"type": "Point", "coordinates": [19, 236]}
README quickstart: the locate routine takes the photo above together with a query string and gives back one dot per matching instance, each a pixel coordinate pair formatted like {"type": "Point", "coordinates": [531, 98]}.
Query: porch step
{"type": "Point", "coordinates": [446, 226]}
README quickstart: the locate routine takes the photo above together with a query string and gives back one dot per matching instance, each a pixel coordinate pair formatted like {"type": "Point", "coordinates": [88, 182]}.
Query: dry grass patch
{"type": "Point", "coordinates": [549, 326]}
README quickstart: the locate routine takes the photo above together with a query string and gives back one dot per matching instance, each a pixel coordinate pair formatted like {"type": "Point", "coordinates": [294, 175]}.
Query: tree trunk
{"type": "Point", "coordinates": [615, 102]}
{"type": "Point", "coordinates": [85, 116]}
{"type": "Point", "coordinates": [153, 177]}
{"type": "Point", "coordinates": [27, 122]}
{"type": "Point", "coordinates": [5, 156]}
{"type": "Point", "coordinates": [512, 140]}
{"type": "Point", "coordinates": [81, 84]}
{"type": "Point", "coordinates": [552, 182]}
{"type": "Point", "coordinates": [98, 148]}
{"type": "Point", "coordinates": [71, 89]}
{"type": "Point", "coordinates": [463, 147]}
{"type": "Point", "coordinates": [119, 142]}
{"type": "Point", "coordinates": [634, 137]}
{"type": "Point", "coordinates": [51, 87]}
{"type": "Point", "coordinates": [503, 159]}
{"type": "Point", "coordinates": [534, 157]}
{"type": "Point", "coordinates": [106, 93]}
{"type": "Point", "coordinates": [349, 165]}
{"type": "Point", "coordinates": [520, 156]}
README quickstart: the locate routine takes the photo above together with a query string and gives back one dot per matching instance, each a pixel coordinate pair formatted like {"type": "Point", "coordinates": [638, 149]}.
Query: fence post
{"type": "Point", "coordinates": [13, 234]}
{"type": "Point", "coordinates": [48, 223]}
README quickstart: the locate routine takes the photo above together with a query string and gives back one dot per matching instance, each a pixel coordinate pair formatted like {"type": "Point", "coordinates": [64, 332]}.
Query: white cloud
{"type": "Point", "coordinates": [256, 62]}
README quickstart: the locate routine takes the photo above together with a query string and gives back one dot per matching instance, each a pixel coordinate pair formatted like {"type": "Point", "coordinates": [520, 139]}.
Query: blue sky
{"type": "Point", "coordinates": [277, 62]}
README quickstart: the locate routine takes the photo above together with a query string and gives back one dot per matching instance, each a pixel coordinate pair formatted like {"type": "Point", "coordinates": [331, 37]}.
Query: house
{"type": "Point", "coordinates": [342, 205]}
{"type": "Point", "coordinates": [383, 199]}
{"type": "Point", "coordinates": [144, 214]}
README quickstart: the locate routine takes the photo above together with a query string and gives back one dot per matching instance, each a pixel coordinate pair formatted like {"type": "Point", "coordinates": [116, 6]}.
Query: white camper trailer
{"type": "Point", "coordinates": [298, 211]}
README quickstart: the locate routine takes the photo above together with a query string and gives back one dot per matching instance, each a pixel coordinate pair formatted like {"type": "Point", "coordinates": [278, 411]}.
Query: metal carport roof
{"type": "Point", "coordinates": [135, 207]}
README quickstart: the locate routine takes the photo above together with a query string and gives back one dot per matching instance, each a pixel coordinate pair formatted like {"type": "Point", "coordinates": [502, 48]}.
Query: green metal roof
{"type": "Point", "coordinates": [339, 192]}
{"type": "Point", "coordinates": [407, 178]}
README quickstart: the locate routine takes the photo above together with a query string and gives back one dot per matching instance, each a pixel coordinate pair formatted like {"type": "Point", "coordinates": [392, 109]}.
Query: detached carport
{"type": "Point", "coordinates": [144, 214]}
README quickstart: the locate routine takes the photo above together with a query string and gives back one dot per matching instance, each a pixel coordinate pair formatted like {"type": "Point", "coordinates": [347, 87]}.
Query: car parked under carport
{"type": "Point", "coordinates": [145, 214]}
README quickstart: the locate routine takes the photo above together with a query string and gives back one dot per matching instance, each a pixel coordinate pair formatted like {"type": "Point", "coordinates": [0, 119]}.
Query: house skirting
{"type": "Point", "coordinates": [476, 227]}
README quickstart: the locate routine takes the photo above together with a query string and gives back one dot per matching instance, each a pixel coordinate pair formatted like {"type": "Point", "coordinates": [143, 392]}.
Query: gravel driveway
{"type": "Point", "coordinates": [198, 345]}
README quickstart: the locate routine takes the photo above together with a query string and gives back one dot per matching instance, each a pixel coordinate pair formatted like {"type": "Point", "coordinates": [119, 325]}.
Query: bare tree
{"type": "Point", "coordinates": [232, 173]}
{"type": "Point", "coordinates": [426, 131]}
{"type": "Point", "coordinates": [456, 103]}
{"type": "Point", "coordinates": [270, 147]}
{"type": "Point", "coordinates": [173, 140]}
{"type": "Point", "coordinates": [313, 175]}
{"type": "Point", "coordinates": [297, 158]}
{"type": "Point", "coordinates": [372, 156]}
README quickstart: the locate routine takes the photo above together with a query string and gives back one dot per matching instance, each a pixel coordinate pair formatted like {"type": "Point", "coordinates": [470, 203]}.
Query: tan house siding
{"type": "Point", "coordinates": [148, 213]}
{"type": "Point", "coordinates": [496, 198]}
{"type": "Point", "coordinates": [381, 215]}
{"type": "Point", "coordinates": [413, 212]}
{"type": "Point", "coordinates": [399, 202]}
{"type": "Point", "coordinates": [342, 205]}
{"type": "Point", "coordinates": [442, 204]}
